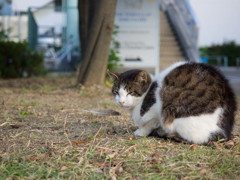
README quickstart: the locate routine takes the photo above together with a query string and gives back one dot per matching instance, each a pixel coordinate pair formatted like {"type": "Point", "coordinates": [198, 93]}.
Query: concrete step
{"type": "Point", "coordinates": [168, 38]}
{"type": "Point", "coordinates": [166, 33]}
{"type": "Point", "coordinates": [168, 61]}
{"type": "Point", "coordinates": [168, 43]}
{"type": "Point", "coordinates": [170, 53]}
{"type": "Point", "coordinates": [165, 28]}
{"type": "Point", "coordinates": [170, 48]}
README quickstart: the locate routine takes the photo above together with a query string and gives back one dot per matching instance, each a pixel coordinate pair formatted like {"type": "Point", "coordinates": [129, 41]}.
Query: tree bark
{"type": "Point", "coordinates": [95, 54]}
{"type": "Point", "coordinates": [83, 23]}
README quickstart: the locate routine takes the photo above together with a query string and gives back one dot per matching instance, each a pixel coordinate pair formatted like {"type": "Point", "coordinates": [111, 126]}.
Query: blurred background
{"type": "Point", "coordinates": [148, 34]}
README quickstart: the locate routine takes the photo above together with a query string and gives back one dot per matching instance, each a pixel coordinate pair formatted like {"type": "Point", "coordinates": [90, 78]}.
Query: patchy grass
{"type": "Point", "coordinates": [45, 134]}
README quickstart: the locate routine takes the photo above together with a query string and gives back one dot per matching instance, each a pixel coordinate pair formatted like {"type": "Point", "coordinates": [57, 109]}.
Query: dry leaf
{"type": "Point", "coordinates": [211, 166]}
{"type": "Point", "coordinates": [118, 170]}
{"type": "Point", "coordinates": [97, 170]}
{"type": "Point", "coordinates": [103, 112]}
{"type": "Point", "coordinates": [99, 164]}
{"type": "Point", "coordinates": [229, 144]}
{"type": "Point", "coordinates": [75, 143]}
{"type": "Point", "coordinates": [18, 124]}
{"type": "Point", "coordinates": [204, 171]}
{"type": "Point", "coordinates": [64, 168]}
{"type": "Point", "coordinates": [38, 157]}
{"type": "Point", "coordinates": [4, 158]}
{"type": "Point", "coordinates": [218, 146]}
{"type": "Point", "coordinates": [112, 173]}
{"type": "Point", "coordinates": [111, 155]}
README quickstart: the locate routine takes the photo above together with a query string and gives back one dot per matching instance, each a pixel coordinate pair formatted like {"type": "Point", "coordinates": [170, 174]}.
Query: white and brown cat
{"type": "Point", "coordinates": [189, 100]}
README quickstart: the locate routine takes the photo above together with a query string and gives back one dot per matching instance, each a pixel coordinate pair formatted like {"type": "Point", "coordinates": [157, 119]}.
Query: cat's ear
{"type": "Point", "coordinates": [142, 77]}
{"type": "Point", "coordinates": [113, 76]}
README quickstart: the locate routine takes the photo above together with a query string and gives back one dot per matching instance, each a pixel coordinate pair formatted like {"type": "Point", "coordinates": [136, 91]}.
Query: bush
{"type": "Point", "coordinates": [229, 49]}
{"type": "Point", "coordinates": [16, 59]}
{"type": "Point", "coordinates": [113, 58]}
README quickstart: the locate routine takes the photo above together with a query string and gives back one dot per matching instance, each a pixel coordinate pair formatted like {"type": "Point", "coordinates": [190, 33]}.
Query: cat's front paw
{"type": "Point", "coordinates": [140, 133]}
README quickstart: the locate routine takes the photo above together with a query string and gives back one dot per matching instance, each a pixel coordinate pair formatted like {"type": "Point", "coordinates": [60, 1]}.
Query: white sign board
{"type": "Point", "coordinates": [138, 35]}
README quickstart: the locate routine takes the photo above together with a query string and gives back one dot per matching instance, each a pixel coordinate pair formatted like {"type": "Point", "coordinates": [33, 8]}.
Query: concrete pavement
{"type": "Point", "coordinates": [233, 75]}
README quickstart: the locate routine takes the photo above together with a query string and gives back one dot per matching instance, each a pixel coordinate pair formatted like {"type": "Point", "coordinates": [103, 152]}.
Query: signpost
{"type": "Point", "coordinates": [138, 22]}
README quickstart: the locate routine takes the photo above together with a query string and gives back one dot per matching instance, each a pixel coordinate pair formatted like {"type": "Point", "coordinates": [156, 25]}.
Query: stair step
{"type": "Point", "coordinates": [170, 53]}
{"type": "Point", "coordinates": [165, 59]}
{"type": "Point", "coordinates": [167, 38]}
{"type": "Point", "coordinates": [168, 61]}
{"type": "Point", "coordinates": [170, 48]}
{"type": "Point", "coordinates": [168, 44]}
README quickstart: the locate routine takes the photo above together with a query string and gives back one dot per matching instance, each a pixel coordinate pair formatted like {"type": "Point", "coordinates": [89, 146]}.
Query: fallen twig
{"type": "Point", "coordinates": [64, 127]}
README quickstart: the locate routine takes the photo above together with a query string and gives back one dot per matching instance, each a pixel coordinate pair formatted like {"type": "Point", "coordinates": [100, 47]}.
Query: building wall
{"type": "Point", "coordinates": [219, 20]}
{"type": "Point", "coordinates": [6, 8]}
{"type": "Point", "coordinates": [12, 23]}
{"type": "Point", "coordinates": [47, 17]}
{"type": "Point", "coordinates": [22, 5]}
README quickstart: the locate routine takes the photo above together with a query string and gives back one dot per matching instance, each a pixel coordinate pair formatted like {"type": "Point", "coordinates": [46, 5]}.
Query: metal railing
{"type": "Point", "coordinates": [185, 25]}
{"type": "Point", "coordinates": [52, 59]}
{"type": "Point", "coordinates": [32, 30]}
{"type": "Point", "coordinates": [237, 62]}
{"type": "Point", "coordinates": [220, 61]}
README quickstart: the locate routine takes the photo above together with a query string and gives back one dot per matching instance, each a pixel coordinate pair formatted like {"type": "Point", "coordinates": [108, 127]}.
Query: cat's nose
{"type": "Point", "coordinates": [121, 102]}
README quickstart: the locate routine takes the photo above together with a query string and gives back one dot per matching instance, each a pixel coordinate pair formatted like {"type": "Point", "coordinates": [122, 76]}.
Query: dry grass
{"type": "Point", "coordinates": [61, 141]}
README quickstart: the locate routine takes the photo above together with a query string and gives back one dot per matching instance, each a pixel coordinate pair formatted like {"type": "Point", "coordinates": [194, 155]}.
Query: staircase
{"type": "Point", "coordinates": [185, 24]}
{"type": "Point", "coordinates": [170, 50]}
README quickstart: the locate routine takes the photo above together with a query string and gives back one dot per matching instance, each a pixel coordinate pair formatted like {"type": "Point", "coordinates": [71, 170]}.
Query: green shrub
{"type": "Point", "coordinates": [16, 59]}
{"type": "Point", "coordinates": [113, 58]}
{"type": "Point", "coordinates": [229, 49]}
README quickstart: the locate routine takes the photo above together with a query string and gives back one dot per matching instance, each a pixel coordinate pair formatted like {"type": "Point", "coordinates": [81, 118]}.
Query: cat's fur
{"type": "Point", "coordinates": [190, 100]}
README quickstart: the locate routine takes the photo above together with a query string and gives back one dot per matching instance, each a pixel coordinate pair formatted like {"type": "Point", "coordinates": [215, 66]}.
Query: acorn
{"type": "Point", "coordinates": [154, 155]}
{"type": "Point", "coordinates": [193, 147]}
{"type": "Point", "coordinates": [154, 161]}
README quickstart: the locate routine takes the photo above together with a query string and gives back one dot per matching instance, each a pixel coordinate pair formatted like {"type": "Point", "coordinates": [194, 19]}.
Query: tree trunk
{"type": "Point", "coordinates": [83, 23]}
{"type": "Point", "coordinates": [95, 54]}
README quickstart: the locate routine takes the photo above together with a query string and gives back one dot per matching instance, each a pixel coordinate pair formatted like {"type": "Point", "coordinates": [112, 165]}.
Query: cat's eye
{"type": "Point", "coordinates": [116, 92]}
{"type": "Point", "coordinates": [129, 93]}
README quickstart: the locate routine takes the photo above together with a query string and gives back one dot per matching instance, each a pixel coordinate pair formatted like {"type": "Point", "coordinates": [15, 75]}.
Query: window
{"type": "Point", "coordinates": [58, 4]}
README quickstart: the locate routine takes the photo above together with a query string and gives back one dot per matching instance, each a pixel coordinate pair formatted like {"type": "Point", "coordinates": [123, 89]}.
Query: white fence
{"type": "Point", "coordinates": [18, 26]}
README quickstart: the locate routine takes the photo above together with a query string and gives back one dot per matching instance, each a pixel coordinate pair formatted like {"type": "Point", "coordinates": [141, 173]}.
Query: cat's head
{"type": "Point", "coordinates": [129, 87]}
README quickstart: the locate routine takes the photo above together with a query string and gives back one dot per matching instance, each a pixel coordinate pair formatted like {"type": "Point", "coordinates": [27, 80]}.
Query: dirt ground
{"type": "Point", "coordinates": [46, 132]}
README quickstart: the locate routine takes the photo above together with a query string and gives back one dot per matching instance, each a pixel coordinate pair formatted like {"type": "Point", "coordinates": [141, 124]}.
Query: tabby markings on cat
{"type": "Point", "coordinates": [189, 100]}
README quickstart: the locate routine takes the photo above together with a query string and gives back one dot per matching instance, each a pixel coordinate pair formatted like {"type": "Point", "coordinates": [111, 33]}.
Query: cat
{"type": "Point", "coordinates": [192, 101]}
